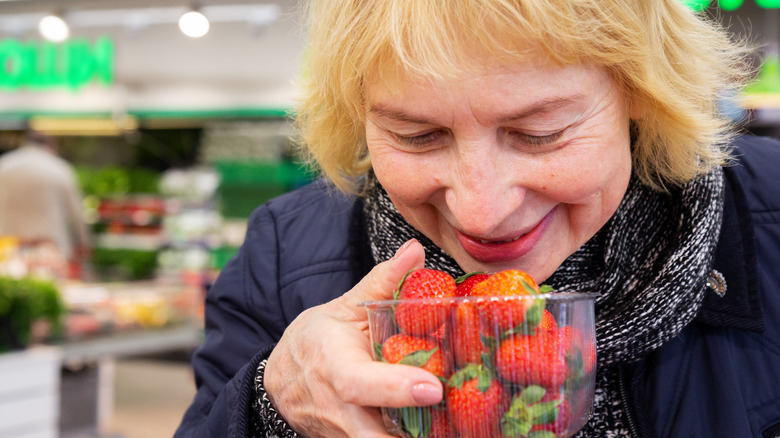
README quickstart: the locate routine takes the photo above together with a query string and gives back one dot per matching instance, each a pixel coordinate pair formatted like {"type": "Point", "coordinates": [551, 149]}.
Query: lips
{"type": "Point", "coordinates": [507, 248]}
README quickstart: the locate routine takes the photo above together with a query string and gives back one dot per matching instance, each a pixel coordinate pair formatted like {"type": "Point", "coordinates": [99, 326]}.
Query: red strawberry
{"type": "Point", "coordinates": [532, 359]}
{"type": "Point", "coordinates": [421, 318]}
{"type": "Point", "coordinates": [548, 321]}
{"type": "Point", "coordinates": [509, 313]}
{"type": "Point", "coordinates": [441, 333]}
{"type": "Point", "coordinates": [535, 409]}
{"type": "Point", "coordinates": [423, 352]}
{"type": "Point", "coordinates": [559, 421]}
{"type": "Point", "coordinates": [476, 401]}
{"type": "Point", "coordinates": [578, 348]}
{"type": "Point", "coordinates": [441, 427]}
{"type": "Point", "coordinates": [467, 282]}
{"type": "Point", "coordinates": [424, 422]}
{"type": "Point", "coordinates": [466, 335]}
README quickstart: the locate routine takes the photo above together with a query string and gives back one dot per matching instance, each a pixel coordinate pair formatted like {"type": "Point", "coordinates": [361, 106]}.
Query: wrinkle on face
{"type": "Point", "coordinates": [477, 179]}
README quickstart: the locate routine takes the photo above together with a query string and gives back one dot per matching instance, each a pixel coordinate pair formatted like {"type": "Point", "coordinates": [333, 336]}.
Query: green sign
{"type": "Point", "coordinates": [729, 5]}
{"type": "Point", "coordinates": [44, 65]}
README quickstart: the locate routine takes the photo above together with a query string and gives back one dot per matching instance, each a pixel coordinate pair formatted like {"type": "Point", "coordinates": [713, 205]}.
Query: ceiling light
{"type": "Point", "coordinates": [194, 24]}
{"type": "Point", "coordinates": [53, 28]}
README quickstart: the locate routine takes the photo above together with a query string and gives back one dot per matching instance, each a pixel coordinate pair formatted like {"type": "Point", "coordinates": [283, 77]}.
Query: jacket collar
{"type": "Point", "coordinates": [735, 258]}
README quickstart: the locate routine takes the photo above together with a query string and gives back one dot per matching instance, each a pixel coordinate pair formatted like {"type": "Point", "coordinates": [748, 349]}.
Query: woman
{"type": "Point", "coordinates": [578, 141]}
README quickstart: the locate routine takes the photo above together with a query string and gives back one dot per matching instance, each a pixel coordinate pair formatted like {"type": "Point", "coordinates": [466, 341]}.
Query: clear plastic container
{"type": "Point", "coordinates": [519, 366]}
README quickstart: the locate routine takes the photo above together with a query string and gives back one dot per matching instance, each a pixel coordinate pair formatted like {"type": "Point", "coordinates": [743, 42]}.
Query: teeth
{"type": "Point", "coordinates": [499, 241]}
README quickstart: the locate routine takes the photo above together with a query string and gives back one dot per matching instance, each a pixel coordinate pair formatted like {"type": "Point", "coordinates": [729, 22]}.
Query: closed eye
{"type": "Point", "coordinates": [536, 140]}
{"type": "Point", "coordinates": [421, 139]}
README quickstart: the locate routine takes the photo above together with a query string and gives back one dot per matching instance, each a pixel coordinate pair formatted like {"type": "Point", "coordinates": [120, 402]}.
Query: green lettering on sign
{"type": "Point", "coordinates": [44, 65]}
{"type": "Point", "coordinates": [696, 5]}
{"type": "Point", "coordinates": [730, 5]}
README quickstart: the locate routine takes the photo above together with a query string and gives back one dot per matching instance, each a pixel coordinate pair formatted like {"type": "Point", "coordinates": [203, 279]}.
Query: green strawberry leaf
{"type": "Point", "coordinates": [487, 360]}
{"type": "Point", "coordinates": [488, 341]}
{"type": "Point", "coordinates": [531, 394]}
{"type": "Point", "coordinates": [574, 359]}
{"type": "Point", "coordinates": [465, 277]}
{"type": "Point", "coordinates": [533, 316]}
{"type": "Point", "coordinates": [519, 329]}
{"type": "Point", "coordinates": [544, 413]}
{"type": "Point", "coordinates": [515, 427]}
{"type": "Point", "coordinates": [397, 292]}
{"type": "Point", "coordinates": [541, 434]}
{"type": "Point", "coordinates": [418, 358]}
{"type": "Point", "coordinates": [528, 288]}
{"type": "Point", "coordinates": [517, 408]}
{"type": "Point", "coordinates": [416, 421]}
{"type": "Point", "coordinates": [463, 375]}
{"type": "Point", "coordinates": [484, 381]}
{"type": "Point", "coordinates": [378, 352]}
{"type": "Point", "coordinates": [576, 376]}
{"type": "Point", "coordinates": [545, 289]}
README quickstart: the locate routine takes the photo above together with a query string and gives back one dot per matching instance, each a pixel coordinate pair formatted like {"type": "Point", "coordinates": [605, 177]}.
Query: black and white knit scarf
{"type": "Point", "coordinates": [649, 264]}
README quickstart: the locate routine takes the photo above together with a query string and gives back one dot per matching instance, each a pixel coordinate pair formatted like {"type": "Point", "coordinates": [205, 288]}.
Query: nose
{"type": "Point", "coordinates": [484, 190]}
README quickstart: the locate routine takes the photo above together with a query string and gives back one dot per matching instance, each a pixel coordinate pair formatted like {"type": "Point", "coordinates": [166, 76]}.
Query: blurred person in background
{"type": "Point", "coordinates": [41, 202]}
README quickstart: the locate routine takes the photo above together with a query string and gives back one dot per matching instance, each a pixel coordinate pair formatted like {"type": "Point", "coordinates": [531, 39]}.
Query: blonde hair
{"type": "Point", "coordinates": [671, 62]}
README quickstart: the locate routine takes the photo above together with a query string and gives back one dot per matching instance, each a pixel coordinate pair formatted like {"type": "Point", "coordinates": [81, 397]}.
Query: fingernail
{"type": "Point", "coordinates": [426, 393]}
{"type": "Point", "coordinates": [403, 248]}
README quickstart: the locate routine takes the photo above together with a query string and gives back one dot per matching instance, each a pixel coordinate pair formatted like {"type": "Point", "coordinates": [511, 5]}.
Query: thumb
{"type": "Point", "coordinates": [384, 278]}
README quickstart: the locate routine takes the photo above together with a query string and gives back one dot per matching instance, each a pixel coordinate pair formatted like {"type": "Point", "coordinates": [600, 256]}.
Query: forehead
{"type": "Point", "coordinates": [488, 83]}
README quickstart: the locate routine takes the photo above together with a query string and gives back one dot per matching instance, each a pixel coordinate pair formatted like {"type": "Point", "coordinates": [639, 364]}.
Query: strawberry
{"type": "Point", "coordinates": [548, 321]}
{"type": "Point", "coordinates": [467, 282]}
{"type": "Point", "coordinates": [558, 421]}
{"type": "Point", "coordinates": [441, 333]}
{"type": "Point", "coordinates": [532, 359]}
{"type": "Point", "coordinates": [575, 343]}
{"type": "Point", "coordinates": [423, 352]}
{"type": "Point", "coordinates": [422, 318]}
{"type": "Point", "coordinates": [535, 409]}
{"type": "Point", "coordinates": [476, 401]}
{"type": "Point", "coordinates": [425, 422]}
{"type": "Point", "coordinates": [466, 335]}
{"type": "Point", "coordinates": [441, 427]}
{"type": "Point", "coordinates": [503, 310]}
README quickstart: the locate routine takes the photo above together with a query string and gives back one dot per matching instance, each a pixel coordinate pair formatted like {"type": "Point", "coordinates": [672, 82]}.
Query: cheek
{"type": "Point", "coordinates": [577, 182]}
{"type": "Point", "coordinates": [595, 165]}
{"type": "Point", "coordinates": [408, 178]}
{"type": "Point", "coordinates": [592, 191]}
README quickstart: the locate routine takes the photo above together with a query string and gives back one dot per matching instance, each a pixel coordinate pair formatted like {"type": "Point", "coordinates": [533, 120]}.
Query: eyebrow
{"type": "Point", "coordinates": [543, 106]}
{"type": "Point", "coordinates": [392, 113]}
{"type": "Point", "coordinates": [539, 107]}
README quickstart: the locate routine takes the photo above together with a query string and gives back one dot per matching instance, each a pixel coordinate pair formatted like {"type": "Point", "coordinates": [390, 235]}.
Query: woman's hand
{"type": "Point", "coordinates": [321, 377]}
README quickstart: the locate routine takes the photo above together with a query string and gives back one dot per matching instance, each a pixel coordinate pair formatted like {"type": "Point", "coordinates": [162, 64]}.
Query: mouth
{"type": "Point", "coordinates": [507, 248]}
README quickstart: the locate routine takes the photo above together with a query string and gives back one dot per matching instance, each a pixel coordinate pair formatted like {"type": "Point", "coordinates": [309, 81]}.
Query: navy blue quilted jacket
{"type": "Point", "coordinates": [719, 378]}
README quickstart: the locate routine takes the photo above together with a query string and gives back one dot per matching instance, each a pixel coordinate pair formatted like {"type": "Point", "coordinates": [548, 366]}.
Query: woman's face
{"type": "Point", "coordinates": [505, 168]}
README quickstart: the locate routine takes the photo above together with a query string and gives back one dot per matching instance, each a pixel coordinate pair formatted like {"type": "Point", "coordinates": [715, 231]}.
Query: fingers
{"type": "Point", "coordinates": [370, 383]}
{"type": "Point", "coordinates": [380, 283]}
{"type": "Point", "coordinates": [327, 349]}
{"type": "Point", "coordinates": [364, 423]}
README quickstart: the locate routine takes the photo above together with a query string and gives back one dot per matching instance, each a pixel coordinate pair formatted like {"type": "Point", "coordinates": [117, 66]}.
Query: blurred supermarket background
{"type": "Point", "coordinates": [174, 136]}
